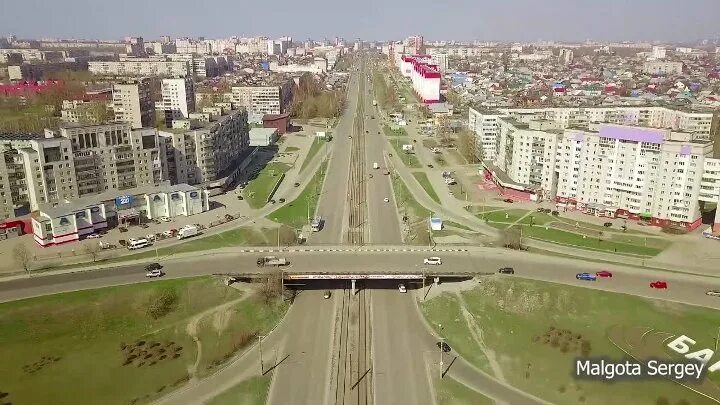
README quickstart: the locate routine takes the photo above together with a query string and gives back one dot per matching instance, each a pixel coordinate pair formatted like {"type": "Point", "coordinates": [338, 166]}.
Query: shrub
{"type": "Point", "coordinates": [162, 303]}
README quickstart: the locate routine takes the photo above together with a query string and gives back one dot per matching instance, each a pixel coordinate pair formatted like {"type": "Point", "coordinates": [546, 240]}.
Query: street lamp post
{"type": "Point", "coordinates": [442, 341]}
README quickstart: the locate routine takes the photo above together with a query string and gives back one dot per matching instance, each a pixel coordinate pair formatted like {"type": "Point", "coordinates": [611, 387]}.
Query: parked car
{"type": "Point", "coordinates": [506, 270]}
{"type": "Point", "coordinates": [586, 277]}
{"type": "Point", "coordinates": [607, 224]}
{"type": "Point", "coordinates": [604, 274]}
{"type": "Point", "coordinates": [165, 219]}
{"type": "Point", "coordinates": [508, 200]}
{"type": "Point", "coordinates": [326, 295]}
{"type": "Point", "coordinates": [154, 273]}
{"type": "Point", "coordinates": [431, 166]}
{"type": "Point", "coordinates": [433, 261]}
{"type": "Point", "coordinates": [661, 285]}
{"type": "Point", "coordinates": [282, 200]}
{"type": "Point", "coordinates": [713, 293]}
{"type": "Point", "coordinates": [443, 346]}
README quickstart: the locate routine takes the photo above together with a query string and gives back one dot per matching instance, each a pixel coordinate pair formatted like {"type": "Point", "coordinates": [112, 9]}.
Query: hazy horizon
{"type": "Point", "coordinates": [464, 20]}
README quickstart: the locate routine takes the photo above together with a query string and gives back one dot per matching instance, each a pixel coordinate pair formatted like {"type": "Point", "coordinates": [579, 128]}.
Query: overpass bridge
{"type": "Point", "coordinates": [289, 276]}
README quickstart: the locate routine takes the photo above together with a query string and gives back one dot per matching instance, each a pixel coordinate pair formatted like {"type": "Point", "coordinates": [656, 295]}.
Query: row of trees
{"type": "Point", "coordinates": [310, 100]}
{"type": "Point", "coordinates": [384, 93]}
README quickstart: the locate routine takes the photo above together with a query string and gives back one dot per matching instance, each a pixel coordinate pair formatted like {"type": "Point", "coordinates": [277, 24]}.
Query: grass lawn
{"type": "Point", "coordinates": [400, 131]}
{"type": "Point", "coordinates": [253, 391]}
{"type": "Point", "coordinates": [409, 159]}
{"type": "Point", "coordinates": [455, 155]}
{"type": "Point", "coordinates": [314, 148]}
{"type": "Point", "coordinates": [295, 213]}
{"type": "Point", "coordinates": [418, 215]}
{"type": "Point", "coordinates": [258, 190]}
{"type": "Point", "coordinates": [456, 225]}
{"type": "Point", "coordinates": [429, 143]}
{"type": "Point", "coordinates": [589, 242]}
{"type": "Point", "coordinates": [68, 348]}
{"type": "Point", "coordinates": [533, 331]}
{"type": "Point", "coordinates": [422, 178]}
{"type": "Point", "coordinates": [504, 216]}
{"type": "Point", "coordinates": [451, 392]}
{"type": "Point", "coordinates": [590, 226]}
{"type": "Point", "coordinates": [538, 218]}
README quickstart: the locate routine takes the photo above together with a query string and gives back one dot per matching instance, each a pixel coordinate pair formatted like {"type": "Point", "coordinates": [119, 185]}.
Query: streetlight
{"type": "Point", "coordinates": [278, 234]}
{"type": "Point", "coordinates": [442, 344]}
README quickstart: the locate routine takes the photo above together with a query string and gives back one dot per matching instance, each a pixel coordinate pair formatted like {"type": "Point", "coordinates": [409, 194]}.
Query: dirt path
{"type": "Point", "coordinates": [477, 335]}
{"type": "Point", "coordinates": [221, 316]}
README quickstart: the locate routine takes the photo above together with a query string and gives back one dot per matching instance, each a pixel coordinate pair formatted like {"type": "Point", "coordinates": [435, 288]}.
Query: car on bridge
{"type": "Point", "coordinates": [660, 285]}
{"type": "Point", "coordinates": [402, 288]}
{"type": "Point", "coordinates": [443, 346]}
{"type": "Point", "coordinates": [604, 274]}
{"type": "Point", "coordinates": [586, 277]}
{"type": "Point", "coordinates": [713, 293]}
{"type": "Point", "coordinates": [434, 261]}
{"type": "Point", "coordinates": [506, 270]}
{"type": "Point", "coordinates": [326, 295]}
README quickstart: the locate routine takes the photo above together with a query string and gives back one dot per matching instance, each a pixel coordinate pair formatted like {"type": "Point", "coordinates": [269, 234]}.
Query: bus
{"type": "Point", "coordinates": [134, 244]}
{"type": "Point", "coordinates": [316, 224]}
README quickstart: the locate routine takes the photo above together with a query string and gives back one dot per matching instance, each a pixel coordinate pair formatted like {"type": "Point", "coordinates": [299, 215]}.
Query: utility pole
{"type": "Point", "coordinates": [262, 369]}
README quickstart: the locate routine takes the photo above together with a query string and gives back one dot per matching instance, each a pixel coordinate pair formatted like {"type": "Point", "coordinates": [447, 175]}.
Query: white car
{"type": "Point", "coordinates": [150, 237]}
{"type": "Point", "coordinates": [165, 219]}
{"type": "Point", "coordinates": [386, 199]}
{"type": "Point", "coordinates": [713, 293]}
{"type": "Point", "coordinates": [432, 261]}
{"type": "Point", "coordinates": [402, 288]}
{"type": "Point", "coordinates": [154, 273]}
{"type": "Point", "coordinates": [94, 236]}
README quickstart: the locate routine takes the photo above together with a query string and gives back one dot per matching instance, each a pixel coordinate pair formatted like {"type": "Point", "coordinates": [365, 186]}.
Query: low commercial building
{"type": "Point", "coordinates": [281, 122]}
{"type": "Point", "coordinates": [661, 67]}
{"type": "Point", "coordinates": [72, 220]}
{"type": "Point", "coordinates": [263, 136]}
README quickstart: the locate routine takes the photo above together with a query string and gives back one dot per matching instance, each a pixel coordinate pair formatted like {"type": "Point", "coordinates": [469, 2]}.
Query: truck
{"type": "Point", "coordinates": [374, 102]}
{"type": "Point", "coordinates": [187, 231]}
{"type": "Point", "coordinates": [376, 165]}
{"type": "Point", "coordinates": [316, 224]}
{"type": "Point", "coordinates": [272, 261]}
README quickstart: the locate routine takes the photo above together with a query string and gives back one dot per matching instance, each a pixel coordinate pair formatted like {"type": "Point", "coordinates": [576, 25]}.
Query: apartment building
{"type": "Point", "coordinates": [178, 99]}
{"type": "Point", "coordinates": [207, 152]}
{"type": "Point", "coordinates": [485, 122]}
{"type": "Point", "coordinates": [140, 68]}
{"type": "Point", "coordinates": [85, 111]}
{"type": "Point", "coordinates": [113, 156]}
{"type": "Point", "coordinates": [34, 170]}
{"type": "Point", "coordinates": [204, 66]}
{"type": "Point", "coordinates": [632, 172]}
{"type": "Point", "coordinates": [132, 103]}
{"type": "Point", "coordinates": [661, 67]}
{"type": "Point", "coordinates": [258, 100]}
{"type": "Point", "coordinates": [710, 187]}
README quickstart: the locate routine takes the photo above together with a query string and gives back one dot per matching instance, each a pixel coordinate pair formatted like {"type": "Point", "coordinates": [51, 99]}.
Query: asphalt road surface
{"type": "Point", "coordinates": [332, 206]}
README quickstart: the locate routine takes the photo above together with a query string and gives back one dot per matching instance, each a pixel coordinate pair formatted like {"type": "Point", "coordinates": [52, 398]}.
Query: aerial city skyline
{"type": "Point", "coordinates": [360, 203]}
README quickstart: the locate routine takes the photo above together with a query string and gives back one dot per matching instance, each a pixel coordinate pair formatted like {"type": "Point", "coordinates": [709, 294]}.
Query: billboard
{"type": "Point", "coordinates": [123, 201]}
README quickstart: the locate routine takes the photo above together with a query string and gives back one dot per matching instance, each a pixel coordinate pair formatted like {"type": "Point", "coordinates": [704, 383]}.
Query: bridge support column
{"type": "Point", "coordinates": [436, 281]}
{"type": "Point", "coordinates": [352, 282]}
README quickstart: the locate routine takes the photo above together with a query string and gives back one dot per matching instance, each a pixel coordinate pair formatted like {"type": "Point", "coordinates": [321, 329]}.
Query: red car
{"type": "Point", "coordinates": [659, 284]}
{"type": "Point", "coordinates": [604, 273]}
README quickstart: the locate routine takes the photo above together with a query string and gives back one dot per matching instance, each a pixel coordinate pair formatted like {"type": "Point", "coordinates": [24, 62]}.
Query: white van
{"type": "Point", "coordinates": [376, 165]}
{"type": "Point", "coordinates": [134, 244]}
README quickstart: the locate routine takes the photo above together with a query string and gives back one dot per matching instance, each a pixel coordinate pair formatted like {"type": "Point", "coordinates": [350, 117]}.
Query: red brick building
{"type": "Point", "coordinates": [279, 121]}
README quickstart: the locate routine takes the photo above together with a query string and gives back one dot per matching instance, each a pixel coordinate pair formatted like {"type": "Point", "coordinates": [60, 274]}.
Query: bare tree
{"type": "Point", "coordinates": [22, 256]}
{"type": "Point", "coordinates": [271, 286]}
{"type": "Point", "coordinates": [511, 238]}
{"type": "Point", "coordinates": [469, 148]}
{"type": "Point", "coordinates": [92, 249]}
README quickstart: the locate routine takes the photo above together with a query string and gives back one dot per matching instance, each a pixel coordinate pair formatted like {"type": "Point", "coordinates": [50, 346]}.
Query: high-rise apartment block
{"type": "Point", "coordinates": [661, 67]}
{"type": "Point", "coordinates": [210, 152]}
{"type": "Point", "coordinates": [132, 103]}
{"type": "Point", "coordinates": [140, 68]}
{"type": "Point", "coordinates": [258, 99]}
{"type": "Point", "coordinates": [632, 162]}
{"type": "Point", "coordinates": [178, 99]}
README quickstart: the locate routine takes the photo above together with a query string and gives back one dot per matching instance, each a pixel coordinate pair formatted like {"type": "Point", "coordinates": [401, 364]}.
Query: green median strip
{"type": "Point", "coordinates": [314, 148]}
{"type": "Point", "coordinates": [295, 213]}
{"type": "Point", "coordinates": [422, 178]}
{"type": "Point", "coordinates": [258, 190]}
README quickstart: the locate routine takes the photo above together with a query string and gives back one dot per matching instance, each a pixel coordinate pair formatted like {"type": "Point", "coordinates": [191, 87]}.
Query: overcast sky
{"type": "Point", "coordinates": [502, 20]}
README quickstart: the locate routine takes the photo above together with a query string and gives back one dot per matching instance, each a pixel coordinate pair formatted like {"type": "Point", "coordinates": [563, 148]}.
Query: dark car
{"type": "Point", "coordinates": [431, 166]}
{"type": "Point", "coordinates": [296, 184]}
{"type": "Point", "coordinates": [153, 266]}
{"type": "Point", "coordinates": [509, 200]}
{"type": "Point", "coordinates": [506, 270]}
{"type": "Point", "coordinates": [282, 200]}
{"type": "Point", "coordinates": [443, 346]}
